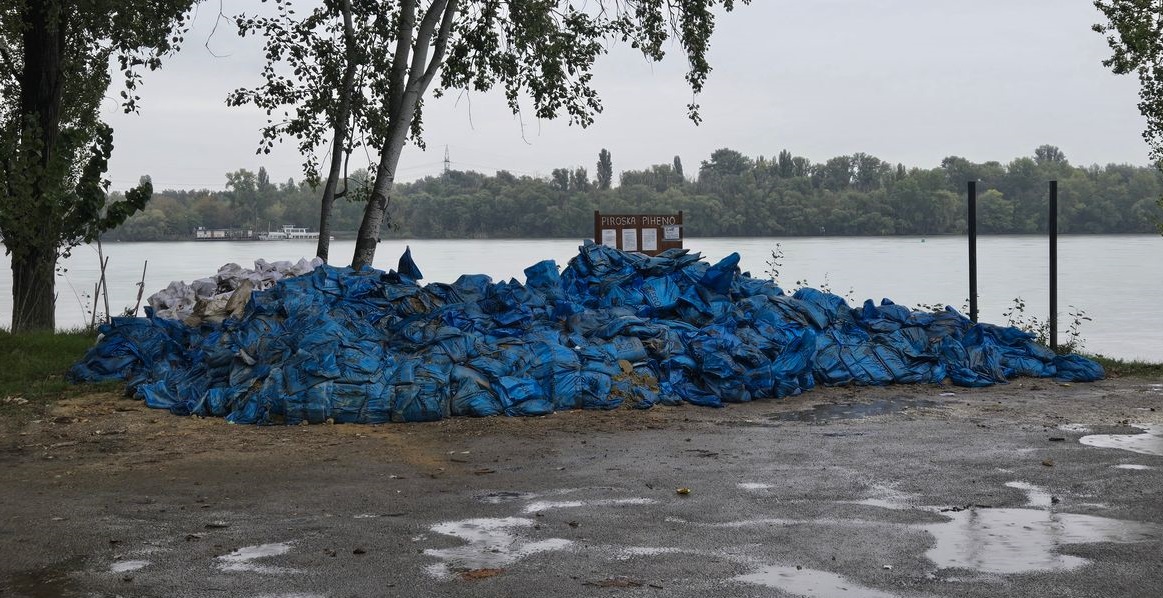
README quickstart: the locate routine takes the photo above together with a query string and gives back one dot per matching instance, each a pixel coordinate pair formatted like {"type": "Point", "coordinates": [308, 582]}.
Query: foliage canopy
{"type": "Point", "coordinates": [54, 148]}
{"type": "Point", "coordinates": [1134, 32]}
{"type": "Point", "coordinates": [540, 52]}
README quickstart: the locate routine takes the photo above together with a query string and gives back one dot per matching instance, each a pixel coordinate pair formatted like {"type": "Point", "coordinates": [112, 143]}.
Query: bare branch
{"type": "Point", "coordinates": [217, 19]}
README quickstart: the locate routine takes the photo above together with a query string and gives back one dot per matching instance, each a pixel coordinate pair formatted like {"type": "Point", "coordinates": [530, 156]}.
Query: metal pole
{"type": "Point", "coordinates": [973, 250]}
{"type": "Point", "coordinates": [1054, 265]}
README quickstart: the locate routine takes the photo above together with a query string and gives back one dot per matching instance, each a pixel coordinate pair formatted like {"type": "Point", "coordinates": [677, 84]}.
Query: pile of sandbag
{"type": "Point", "coordinates": [209, 298]}
{"type": "Point", "coordinates": [612, 329]}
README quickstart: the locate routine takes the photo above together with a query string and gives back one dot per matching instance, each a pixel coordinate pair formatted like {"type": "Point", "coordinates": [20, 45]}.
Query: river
{"type": "Point", "coordinates": [1116, 280]}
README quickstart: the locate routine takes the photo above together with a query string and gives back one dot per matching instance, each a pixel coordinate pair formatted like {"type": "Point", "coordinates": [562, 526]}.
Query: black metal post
{"type": "Point", "coordinates": [1054, 265]}
{"type": "Point", "coordinates": [973, 250]}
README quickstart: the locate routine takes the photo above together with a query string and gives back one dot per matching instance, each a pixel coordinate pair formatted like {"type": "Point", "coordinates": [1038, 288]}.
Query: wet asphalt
{"type": "Point", "coordinates": [912, 500]}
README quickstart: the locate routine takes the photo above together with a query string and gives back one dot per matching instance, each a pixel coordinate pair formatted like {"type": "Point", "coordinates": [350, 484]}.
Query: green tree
{"type": "Point", "coordinates": [786, 167]}
{"type": "Point", "coordinates": [605, 170]}
{"type": "Point", "coordinates": [835, 174]}
{"type": "Point", "coordinates": [579, 180]}
{"type": "Point", "coordinates": [1049, 154]}
{"type": "Point", "coordinates": [678, 167]}
{"type": "Point", "coordinates": [560, 179]}
{"type": "Point", "coordinates": [251, 195]}
{"type": "Point", "coordinates": [322, 94]}
{"type": "Point", "coordinates": [725, 162]}
{"type": "Point", "coordinates": [54, 149]}
{"type": "Point", "coordinates": [538, 52]}
{"type": "Point", "coordinates": [1134, 32]}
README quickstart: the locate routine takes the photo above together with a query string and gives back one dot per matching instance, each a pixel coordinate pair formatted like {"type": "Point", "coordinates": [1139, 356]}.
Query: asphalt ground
{"type": "Point", "coordinates": [897, 491]}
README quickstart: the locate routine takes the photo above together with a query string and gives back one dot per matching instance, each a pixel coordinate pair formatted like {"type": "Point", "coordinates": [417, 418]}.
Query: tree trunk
{"type": "Point", "coordinates": [321, 249]}
{"type": "Point", "coordinates": [405, 96]}
{"type": "Point", "coordinates": [339, 141]}
{"type": "Point", "coordinates": [377, 208]}
{"type": "Point", "coordinates": [33, 253]}
{"type": "Point", "coordinates": [33, 290]}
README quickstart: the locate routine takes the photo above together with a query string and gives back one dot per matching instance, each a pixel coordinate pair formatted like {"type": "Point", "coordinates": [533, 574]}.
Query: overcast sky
{"type": "Point", "coordinates": [908, 81]}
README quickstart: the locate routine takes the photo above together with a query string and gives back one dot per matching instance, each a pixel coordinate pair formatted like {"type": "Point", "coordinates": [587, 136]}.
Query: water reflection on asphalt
{"type": "Point", "coordinates": [838, 411]}
{"type": "Point", "coordinates": [1149, 442]}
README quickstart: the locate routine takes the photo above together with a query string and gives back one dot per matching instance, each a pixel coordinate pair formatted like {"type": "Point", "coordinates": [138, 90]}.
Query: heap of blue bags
{"type": "Point", "coordinates": [370, 346]}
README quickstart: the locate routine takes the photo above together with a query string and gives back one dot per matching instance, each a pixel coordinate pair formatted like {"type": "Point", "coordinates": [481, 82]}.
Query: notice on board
{"type": "Point", "coordinates": [670, 232]}
{"type": "Point", "coordinates": [629, 239]}
{"type": "Point", "coordinates": [610, 237]}
{"type": "Point", "coordinates": [650, 239]}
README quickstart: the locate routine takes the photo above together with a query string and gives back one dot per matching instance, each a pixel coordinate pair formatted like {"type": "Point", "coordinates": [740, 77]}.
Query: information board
{"type": "Point", "coordinates": [650, 234]}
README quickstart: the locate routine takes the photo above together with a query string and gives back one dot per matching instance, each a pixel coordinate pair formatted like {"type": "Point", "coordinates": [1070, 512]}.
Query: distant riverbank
{"type": "Point", "coordinates": [1116, 279]}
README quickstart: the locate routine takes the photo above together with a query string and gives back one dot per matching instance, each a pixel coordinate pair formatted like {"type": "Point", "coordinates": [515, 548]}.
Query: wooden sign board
{"type": "Point", "coordinates": [650, 234]}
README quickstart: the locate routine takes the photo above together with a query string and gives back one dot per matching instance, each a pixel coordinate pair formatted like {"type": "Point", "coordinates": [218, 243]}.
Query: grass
{"type": "Point", "coordinates": [1119, 368]}
{"type": "Point", "coordinates": [33, 372]}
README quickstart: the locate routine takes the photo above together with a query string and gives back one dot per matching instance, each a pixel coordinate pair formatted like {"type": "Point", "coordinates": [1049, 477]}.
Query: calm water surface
{"type": "Point", "coordinates": [1116, 280]}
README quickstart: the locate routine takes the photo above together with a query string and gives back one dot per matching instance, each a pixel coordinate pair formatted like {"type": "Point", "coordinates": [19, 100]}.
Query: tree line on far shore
{"type": "Point", "coordinates": [729, 195]}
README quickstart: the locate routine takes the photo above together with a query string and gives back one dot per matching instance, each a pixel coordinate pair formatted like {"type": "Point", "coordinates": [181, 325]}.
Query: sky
{"type": "Point", "coordinates": [908, 81]}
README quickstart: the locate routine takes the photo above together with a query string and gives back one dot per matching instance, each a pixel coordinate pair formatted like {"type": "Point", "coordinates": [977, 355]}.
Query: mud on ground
{"type": "Point", "coordinates": [107, 431]}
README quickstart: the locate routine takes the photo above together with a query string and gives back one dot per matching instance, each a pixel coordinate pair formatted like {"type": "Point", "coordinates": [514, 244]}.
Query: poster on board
{"type": "Point", "coordinates": [610, 237]}
{"type": "Point", "coordinates": [670, 232]}
{"type": "Point", "coordinates": [629, 239]}
{"type": "Point", "coordinates": [650, 239]}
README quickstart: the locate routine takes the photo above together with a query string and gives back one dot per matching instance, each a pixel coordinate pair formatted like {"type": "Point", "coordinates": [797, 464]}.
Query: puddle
{"type": "Point", "coordinates": [1035, 496]}
{"type": "Point", "coordinates": [545, 505]}
{"type": "Point", "coordinates": [810, 583]}
{"type": "Point", "coordinates": [884, 503]}
{"type": "Point", "coordinates": [491, 544]}
{"type": "Point", "coordinates": [496, 498]}
{"type": "Point", "coordinates": [1134, 466]}
{"type": "Point", "coordinates": [836, 411]}
{"type": "Point", "coordinates": [1025, 540]}
{"type": "Point", "coordinates": [241, 559]}
{"type": "Point", "coordinates": [1149, 442]}
{"type": "Point", "coordinates": [126, 566]}
{"type": "Point", "coordinates": [753, 486]}
{"type": "Point", "coordinates": [779, 521]}
{"type": "Point", "coordinates": [52, 581]}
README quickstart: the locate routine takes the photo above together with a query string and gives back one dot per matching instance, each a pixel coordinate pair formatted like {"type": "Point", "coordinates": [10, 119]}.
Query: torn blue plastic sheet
{"type": "Point", "coordinates": [611, 329]}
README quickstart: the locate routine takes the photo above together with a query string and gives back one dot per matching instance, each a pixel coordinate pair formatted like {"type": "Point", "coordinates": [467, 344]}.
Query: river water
{"type": "Point", "coordinates": [1116, 280]}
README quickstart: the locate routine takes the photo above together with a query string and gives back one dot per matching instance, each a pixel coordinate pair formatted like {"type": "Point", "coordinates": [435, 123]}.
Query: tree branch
{"type": "Point", "coordinates": [424, 42]}
{"type": "Point", "coordinates": [396, 80]}
{"type": "Point", "coordinates": [441, 45]}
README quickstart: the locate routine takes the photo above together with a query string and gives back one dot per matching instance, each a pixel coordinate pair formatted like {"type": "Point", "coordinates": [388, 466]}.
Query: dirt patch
{"type": "Point", "coordinates": [106, 432]}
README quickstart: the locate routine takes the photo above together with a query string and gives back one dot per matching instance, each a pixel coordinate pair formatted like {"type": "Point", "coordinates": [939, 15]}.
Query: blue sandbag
{"type": "Point", "coordinates": [1075, 368]}
{"type": "Point", "coordinates": [407, 267]}
{"type": "Point", "coordinates": [371, 347]}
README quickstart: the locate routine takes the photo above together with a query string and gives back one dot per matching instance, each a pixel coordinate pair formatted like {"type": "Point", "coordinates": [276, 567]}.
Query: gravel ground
{"type": "Point", "coordinates": [1026, 489]}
